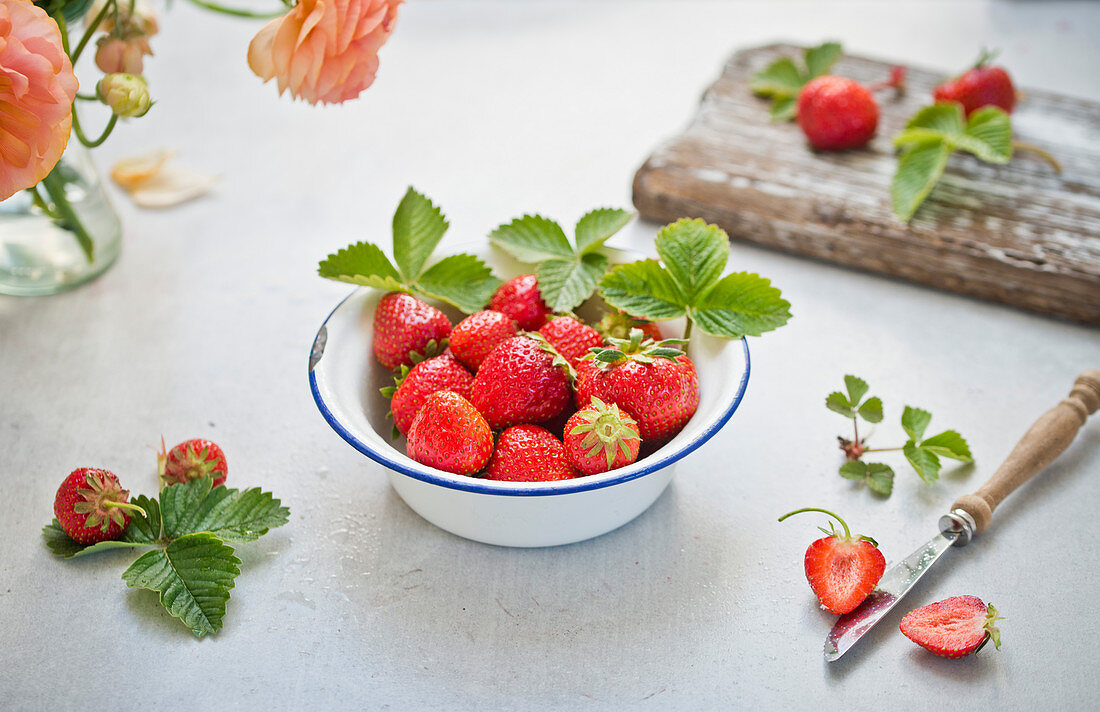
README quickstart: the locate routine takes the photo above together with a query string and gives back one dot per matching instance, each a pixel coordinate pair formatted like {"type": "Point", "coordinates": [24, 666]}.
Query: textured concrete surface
{"type": "Point", "coordinates": [203, 329]}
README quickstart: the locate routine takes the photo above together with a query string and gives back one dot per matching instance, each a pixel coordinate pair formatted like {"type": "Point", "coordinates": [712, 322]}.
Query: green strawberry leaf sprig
{"type": "Point", "coordinates": [567, 272]}
{"type": "Point", "coordinates": [783, 79]}
{"type": "Point", "coordinates": [461, 280]}
{"type": "Point", "coordinates": [928, 141]}
{"type": "Point", "coordinates": [190, 527]}
{"type": "Point", "coordinates": [922, 453]}
{"type": "Point", "coordinates": [687, 282]}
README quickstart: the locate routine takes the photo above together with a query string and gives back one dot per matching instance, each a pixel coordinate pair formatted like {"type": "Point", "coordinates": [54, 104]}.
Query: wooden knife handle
{"type": "Point", "coordinates": [1044, 441]}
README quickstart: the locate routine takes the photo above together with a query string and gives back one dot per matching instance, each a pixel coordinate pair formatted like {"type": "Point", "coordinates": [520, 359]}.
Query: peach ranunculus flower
{"type": "Point", "coordinates": [37, 88]}
{"type": "Point", "coordinates": [324, 50]}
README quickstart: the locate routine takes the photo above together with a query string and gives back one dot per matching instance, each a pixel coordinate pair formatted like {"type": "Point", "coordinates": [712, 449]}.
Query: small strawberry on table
{"type": "Point", "coordinates": [191, 460]}
{"type": "Point", "coordinates": [92, 507]}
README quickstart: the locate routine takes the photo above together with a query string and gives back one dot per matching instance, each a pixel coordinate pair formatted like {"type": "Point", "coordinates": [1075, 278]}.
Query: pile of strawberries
{"type": "Point", "coordinates": [562, 399]}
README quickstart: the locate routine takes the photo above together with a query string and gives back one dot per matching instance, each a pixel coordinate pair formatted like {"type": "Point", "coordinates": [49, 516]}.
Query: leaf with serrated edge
{"type": "Point", "coordinates": [740, 304]}
{"type": "Point", "coordinates": [144, 530]}
{"type": "Point", "coordinates": [948, 444]}
{"type": "Point", "coordinates": [784, 108]}
{"type": "Point", "coordinates": [820, 59]}
{"type": "Point", "coordinates": [694, 253]}
{"type": "Point", "coordinates": [597, 226]}
{"type": "Point", "coordinates": [193, 576]}
{"type": "Point", "coordinates": [857, 388]}
{"type": "Point", "coordinates": [63, 545]}
{"type": "Point", "coordinates": [854, 470]}
{"type": "Point", "coordinates": [839, 403]}
{"type": "Point", "coordinates": [179, 505]}
{"type": "Point", "coordinates": [780, 78]}
{"type": "Point", "coordinates": [947, 119]}
{"type": "Point", "coordinates": [643, 289]}
{"type": "Point", "coordinates": [871, 410]}
{"type": "Point", "coordinates": [462, 280]}
{"type": "Point", "coordinates": [880, 478]}
{"type": "Point", "coordinates": [988, 135]}
{"type": "Point", "coordinates": [919, 169]}
{"type": "Point", "coordinates": [364, 264]}
{"type": "Point", "coordinates": [240, 515]}
{"type": "Point", "coordinates": [565, 284]}
{"type": "Point", "coordinates": [923, 461]}
{"type": "Point", "coordinates": [418, 226]}
{"type": "Point", "coordinates": [533, 238]}
{"type": "Point", "coordinates": [914, 421]}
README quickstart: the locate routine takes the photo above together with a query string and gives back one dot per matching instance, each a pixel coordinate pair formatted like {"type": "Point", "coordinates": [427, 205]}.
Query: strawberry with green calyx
{"type": "Point", "coordinates": [91, 506]}
{"type": "Point", "coordinates": [521, 299]}
{"type": "Point", "coordinates": [842, 569]}
{"type": "Point", "coordinates": [980, 85]}
{"type": "Point", "coordinates": [528, 453]}
{"type": "Point", "coordinates": [600, 437]}
{"type": "Point", "coordinates": [954, 627]}
{"type": "Point", "coordinates": [522, 380]}
{"type": "Point", "coordinates": [449, 434]}
{"type": "Point", "coordinates": [783, 79]}
{"type": "Point", "coordinates": [617, 325]}
{"type": "Point", "coordinates": [571, 338]}
{"type": "Point", "coordinates": [407, 330]}
{"type": "Point", "coordinates": [654, 381]}
{"type": "Point", "coordinates": [413, 386]}
{"type": "Point", "coordinates": [475, 336]}
{"type": "Point", "coordinates": [191, 460]}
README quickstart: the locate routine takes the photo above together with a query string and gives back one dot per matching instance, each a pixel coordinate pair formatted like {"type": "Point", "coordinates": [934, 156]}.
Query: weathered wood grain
{"type": "Point", "coordinates": [1018, 234]}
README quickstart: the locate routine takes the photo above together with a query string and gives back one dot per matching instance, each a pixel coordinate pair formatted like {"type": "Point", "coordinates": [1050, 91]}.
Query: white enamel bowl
{"type": "Point", "coordinates": [345, 377]}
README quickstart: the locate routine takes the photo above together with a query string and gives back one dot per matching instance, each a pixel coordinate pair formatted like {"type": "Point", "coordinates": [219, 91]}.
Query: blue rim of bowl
{"type": "Point", "coordinates": [476, 485]}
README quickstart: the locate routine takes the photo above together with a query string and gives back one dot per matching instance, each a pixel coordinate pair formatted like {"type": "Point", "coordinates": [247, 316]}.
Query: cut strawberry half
{"type": "Point", "coordinates": [842, 568]}
{"type": "Point", "coordinates": [954, 627]}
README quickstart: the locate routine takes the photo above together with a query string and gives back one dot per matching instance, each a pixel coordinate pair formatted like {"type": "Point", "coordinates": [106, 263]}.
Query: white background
{"type": "Point", "coordinates": [202, 329]}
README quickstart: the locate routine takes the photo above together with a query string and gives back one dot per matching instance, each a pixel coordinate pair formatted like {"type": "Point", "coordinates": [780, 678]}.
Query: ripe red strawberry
{"type": "Point", "coordinates": [404, 325]}
{"type": "Point", "coordinates": [601, 437]}
{"type": "Point", "coordinates": [521, 381]}
{"type": "Point", "coordinates": [475, 336]}
{"type": "Point", "coordinates": [954, 627]}
{"type": "Point", "coordinates": [413, 386]}
{"type": "Point", "coordinates": [91, 506]}
{"type": "Point", "coordinates": [617, 325]}
{"type": "Point", "coordinates": [191, 460]}
{"type": "Point", "coordinates": [449, 434]}
{"type": "Point", "coordinates": [520, 299]}
{"type": "Point", "coordinates": [837, 113]}
{"type": "Point", "coordinates": [981, 85]}
{"type": "Point", "coordinates": [571, 338]}
{"type": "Point", "coordinates": [842, 569]}
{"type": "Point", "coordinates": [528, 453]}
{"type": "Point", "coordinates": [654, 382]}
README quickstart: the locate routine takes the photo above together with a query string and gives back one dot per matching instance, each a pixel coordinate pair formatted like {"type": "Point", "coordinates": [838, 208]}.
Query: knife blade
{"type": "Point", "coordinates": [971, 514]}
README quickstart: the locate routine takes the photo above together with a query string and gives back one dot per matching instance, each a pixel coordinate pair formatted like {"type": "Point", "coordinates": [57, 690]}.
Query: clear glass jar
{"type": "Point", "coordinates": [62, 237]}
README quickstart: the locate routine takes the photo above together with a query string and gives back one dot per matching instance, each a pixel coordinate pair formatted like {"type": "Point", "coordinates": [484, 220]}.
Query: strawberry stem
{"type": "Point", "coordinates": [126, 505]}
{"type": "Point", "coordinates": [1041, 153]}
{"type": "Point", "coordinates": [687, 329]}
{"type": "Point", "coordinates": [847, 532]}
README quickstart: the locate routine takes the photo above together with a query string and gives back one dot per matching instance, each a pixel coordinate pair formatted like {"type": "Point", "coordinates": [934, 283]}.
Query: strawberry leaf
{"type": "Point", "coordinates": [871, 410]}
{"type": "Point", "coordinates": [61, 544]}
{"type": "Point", "coordinates": [919, 169]}
{"type": "Point", "coordinates": [644, 289]}
{"type": "Point", "coordinates": [230, 514]}
{"type": "Point", "coordinates": [418, 226]}
{"type": "Point", "coordinates": [878, 477]}
{"type": "Point", "coordinates": [948, 444]}
{"type": "Point", "coordinates": [694, 253]}
{"type": "Point", "coordinates": [741, 304]}
{"type": "Point", "coordinates": [363, 264]}
{"type": "Point", "coordinates": [462, 280]}
{"type": "Point", "coordinates": [193, 576]}
{"type": "Point", "coordinates": [597, 226]}
{"type": "Point", "coordinates": [988, 135]}
{"type": "Point", "coordinates": [820, 59]}
{"type": "Point", "coordinates": [533, 238]}
{"type": "Point", "coordinates": [784, 108]}
{"type": "Point", "coordinates": [914, 421]}
{"type": "Point", "coordinates": [839, 403]}
{"type": "Point", "coordinates": [565, 284]}
{"type": "Point", "coordinates": [923, 461]}
{"type": "Point", "coordinates": [783, 79]}
{"type": "Point", "coordinates": [857, 388]}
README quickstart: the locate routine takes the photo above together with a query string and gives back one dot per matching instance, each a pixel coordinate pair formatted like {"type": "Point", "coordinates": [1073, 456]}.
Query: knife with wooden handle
{"type": "Point", "coordinates": [972, 513]}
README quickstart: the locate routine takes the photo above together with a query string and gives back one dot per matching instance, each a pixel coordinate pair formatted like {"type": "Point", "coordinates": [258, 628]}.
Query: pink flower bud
{"type": "Point", "coordinates": [115, 55]}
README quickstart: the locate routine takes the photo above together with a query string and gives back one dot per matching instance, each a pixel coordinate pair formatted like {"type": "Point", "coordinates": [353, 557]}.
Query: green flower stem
{"type": "Point", "coordinates": [75, 54]}
{"type": "Point", "coordinates": [102, 137]}
{"type": "Point", "coordinates": [240, 13]}
{"type": "Point", "coordinates": [87, 97]}
{"type": "Point", "coordinates": [883, 449]}
{"type": "Point", "coordinates": [41, 204]}
{"type": "Point", "coordinates": [63, 212]}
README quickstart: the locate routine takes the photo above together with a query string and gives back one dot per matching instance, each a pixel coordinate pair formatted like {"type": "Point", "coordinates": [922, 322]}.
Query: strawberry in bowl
{"type": "Point", "coordinates": [529, 490]}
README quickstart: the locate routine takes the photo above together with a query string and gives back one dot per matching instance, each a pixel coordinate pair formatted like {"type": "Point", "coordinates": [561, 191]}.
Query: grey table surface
{"type": "Point", "coordinates": [203, 327]}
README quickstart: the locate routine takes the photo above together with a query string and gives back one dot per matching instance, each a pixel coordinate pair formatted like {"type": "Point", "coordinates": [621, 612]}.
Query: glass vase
{"type": "Point", "coordinates": [61, 233]}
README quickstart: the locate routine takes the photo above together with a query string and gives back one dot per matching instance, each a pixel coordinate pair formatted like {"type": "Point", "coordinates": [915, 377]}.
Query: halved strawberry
{"type": "Point", "coordinates": [954, 627]}
{"type": "Point", "coordinates": [842, 569]}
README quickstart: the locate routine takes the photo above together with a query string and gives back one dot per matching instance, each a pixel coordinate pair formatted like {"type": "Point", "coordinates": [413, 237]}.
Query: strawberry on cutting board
{"type": "Point", "coordinates": [981, 85]}
{"type": "Point", "coordinates": [954, 627]}
{"type": "Point", "coordinates": [842, 569]}
{"type": "Point", "coordinates": [837, 113]}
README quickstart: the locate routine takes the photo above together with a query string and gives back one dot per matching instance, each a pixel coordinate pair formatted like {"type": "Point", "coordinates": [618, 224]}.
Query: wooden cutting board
{"type": "Point", "coordinates": [1018, 234]}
